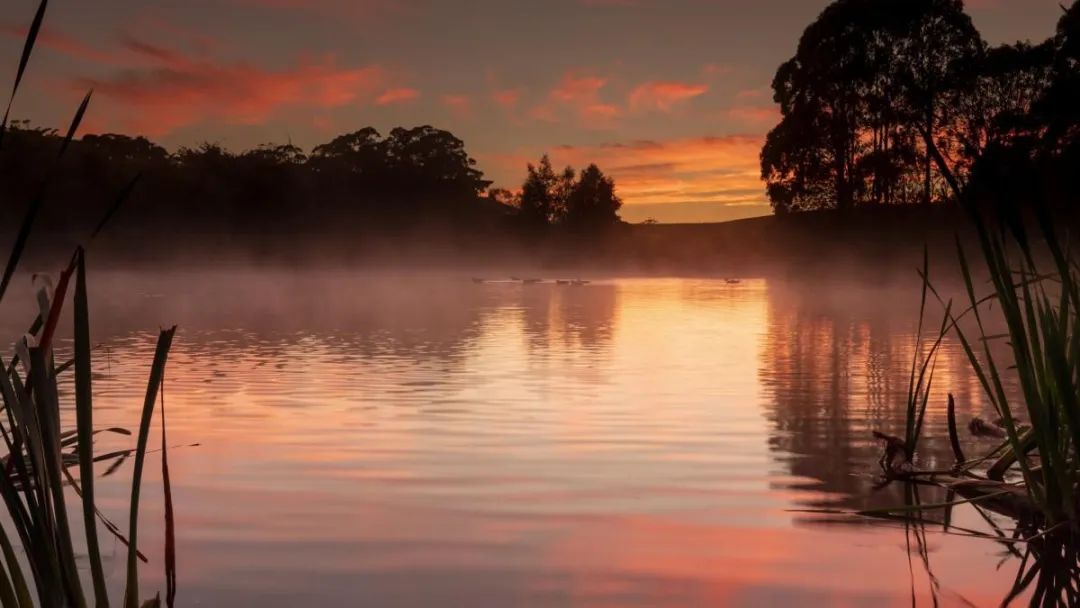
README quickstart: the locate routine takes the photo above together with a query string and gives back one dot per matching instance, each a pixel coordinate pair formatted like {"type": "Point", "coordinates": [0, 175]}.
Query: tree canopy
{"type": "Point", "coordinates": [872, 80]}
{"type": "Point", "coordinates": [585, 202]}
{"type": "Point", "coordinates": [357, 180]}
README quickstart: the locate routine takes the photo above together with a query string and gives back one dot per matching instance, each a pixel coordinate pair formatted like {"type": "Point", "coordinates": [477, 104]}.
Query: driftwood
{"type": "Point", "coordinates": [1006, 499]}
{"type": "Point", "coordinates": [991, 492]}
{"type": "Point", "coordinates": [980, 428]}
{"type": "Point", "coordinates": [895, 458]}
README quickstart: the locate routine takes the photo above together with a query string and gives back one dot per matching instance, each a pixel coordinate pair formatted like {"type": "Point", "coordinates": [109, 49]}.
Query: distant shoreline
{"type": "Point", "coordinates": [877, 239]}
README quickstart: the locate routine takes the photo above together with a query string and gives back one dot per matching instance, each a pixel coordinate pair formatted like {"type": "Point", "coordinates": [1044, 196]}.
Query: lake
{"type": "Point", "coordinates": [424, 441]}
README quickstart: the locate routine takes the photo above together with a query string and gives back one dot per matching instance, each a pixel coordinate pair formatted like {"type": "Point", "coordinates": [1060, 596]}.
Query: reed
{"type": "Point", "coordinates": [1040, 308]}
{"type": "Point", "coordinates": [1035, 296]}
{"type": "Point", "coordinates": [36, 483]}
{"type": "Point", "coordinates": [922, 369]}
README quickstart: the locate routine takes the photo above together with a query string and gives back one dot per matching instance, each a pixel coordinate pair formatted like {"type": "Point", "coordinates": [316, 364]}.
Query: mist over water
{"type": "Point", "coordinates": [418, 440]}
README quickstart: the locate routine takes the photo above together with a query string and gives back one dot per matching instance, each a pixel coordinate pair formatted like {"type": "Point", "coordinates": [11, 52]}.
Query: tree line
{"type": "Point", "coordinates": [357, 182]}
{"type": "Point", "coordinates": [873, 80]}
{"type": "Point", "coordinates": [578, 202]}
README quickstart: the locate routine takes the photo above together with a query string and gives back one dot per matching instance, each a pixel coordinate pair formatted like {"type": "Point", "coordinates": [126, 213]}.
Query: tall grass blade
{"type": "Point", "coordinates": [49, 420]}
{"type": "Point", "coordinates": [930, 507]}
{"type": "Point", "coordinates": [35, 204]}
{"type": "Point", "coordinates": [105, 521]}
{"type": "Point", "coordinates": [84, 414]}
{"type": "Point", "coordinates": [161, 357]}
{"type": "Point", "coordinates": [28, 49]}
{"type": "Point", "coordinates": [20, 242]}
{"type": "Point", "coordinates": [170, 522]}
{"type": "Point", "coordinates": [55, 307]}
{"type": "Point", "coordinates": [119, 202]}
{"type": "Point", "coordinates": [74, 127]}
{"type": "Point", "coordinates": [954, 438]}
{"type": "Point", "coordinates": [15, 592]}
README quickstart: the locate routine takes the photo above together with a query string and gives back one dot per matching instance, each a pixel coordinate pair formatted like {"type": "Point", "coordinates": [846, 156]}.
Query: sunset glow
{"type": "Point", "coordinates": [672, 98]}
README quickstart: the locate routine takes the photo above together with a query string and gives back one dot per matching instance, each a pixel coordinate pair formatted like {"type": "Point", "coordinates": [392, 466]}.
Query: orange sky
{"type": "Point", "coordinates": [672, 97]}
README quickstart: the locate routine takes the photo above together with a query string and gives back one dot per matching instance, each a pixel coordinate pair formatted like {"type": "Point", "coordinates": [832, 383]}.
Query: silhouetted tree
{"type": "Point", "coordinates": [592, 203]}
{"type": "Point", "coordinates": [544, 194]}
{"type": "Point", "coordinates": [1002, 89]}
{"type": "Point", "coordinates": [503, 197]}
{"type": "Point", "coordinates": [121, 149]}
{"type": "Point", "coordinates": [358, 181]}
{"type": "Point", "coordinates": [1059, 109]}
{"type": "Point", "coordinates": [1034, 148]}
{"type": "Point", "coordinates": [869, 78]}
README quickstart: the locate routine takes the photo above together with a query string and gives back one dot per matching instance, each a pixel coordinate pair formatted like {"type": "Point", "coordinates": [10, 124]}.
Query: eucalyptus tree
{"type": "Point", "coordinates": [869, 80]}
{"type": "Point", "coordinates": [592, 203]}
{"type": "Point", "coordinates": [544, 194]}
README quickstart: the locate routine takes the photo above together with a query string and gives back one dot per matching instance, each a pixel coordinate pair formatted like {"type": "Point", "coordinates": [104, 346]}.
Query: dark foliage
{"type": "Point", "coordinates": [357, 182]}
{"type": "Point", "coordinates": [578, 203]}
{"type": "Point", "coordinates": [872, 79]}
{"type": "Point", "coordinates": [1034, 158]}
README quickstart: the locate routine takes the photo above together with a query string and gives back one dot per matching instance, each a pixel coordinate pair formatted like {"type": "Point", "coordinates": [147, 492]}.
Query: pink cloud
{"type": "Point", "coordinates": [663, 96]}
{"type": "Point", "coordinates": [62, 43]}
{"type": "Point", "coordinates": [178, 91]}
{"type": "Point", "coordinates": [715, 69]}
{"type": "Point", "coordinates": [755, 115]}
{"type": "Point", "coordinates": [578, 90]}
{"type": "Point", "coordinates": [507, 99]}
{"type": "Point", "coordinates": [752, 94]}
{"type": "Point", "coordinates": [128, 50]}
{"type": "Point", "coordinates": [600, 113]}
{"type": "Point", "coordinates": [459, 105]}
{"type": "Point", "coordinates": [154, 53]}
{"type": "Point", "coordinates": [580, 95]}
{"type": "Point", "coordinates": [398, 95]}
{"type": "Point", "coordinates": [543, 113]}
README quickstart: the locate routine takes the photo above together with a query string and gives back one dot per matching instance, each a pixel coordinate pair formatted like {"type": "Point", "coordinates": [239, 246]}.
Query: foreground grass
{"type": "Point", "coordinates": [37, 477]}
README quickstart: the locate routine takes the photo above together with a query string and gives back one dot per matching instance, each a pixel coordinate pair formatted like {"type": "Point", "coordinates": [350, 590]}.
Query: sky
{"type": "Point", "coordinates": [671, 97]}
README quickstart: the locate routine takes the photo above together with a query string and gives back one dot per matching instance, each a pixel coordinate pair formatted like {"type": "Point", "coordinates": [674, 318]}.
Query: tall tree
{"type": "Point", "coordinates": [544, 194]}
{"type": "Point", "coordinates": [869, 78]}
{"type": "Point", "coordinates": [592, 202]}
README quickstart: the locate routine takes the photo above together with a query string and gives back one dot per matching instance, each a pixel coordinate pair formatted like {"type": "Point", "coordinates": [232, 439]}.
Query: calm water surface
{"type": "Point", "coordinates": [417, 441]}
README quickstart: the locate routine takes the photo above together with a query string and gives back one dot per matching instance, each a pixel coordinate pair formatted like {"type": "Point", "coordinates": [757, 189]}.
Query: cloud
{"type": "Point", "coordinates": [398, 95]}
{"type": "Point", "coordinates": [544, 113]}
{"type": "Point", "coordinates": [177, 90]}
{"type": "Point", "coordinates": [599, 115]}
{"type": "Point", "coordinates": [753, 93]}
{"type": "Point", "coordinates": [579, 95]}
{"type": "Point", "coordinates": [459, 105]}
{"type": "Point", "coordinates": [755, 115]}
{"type": "Point", "coordinates": [715, 69]}
{"type": "Point", "coordinates": [507, 99]}
{"type": "Point", "coordinates": [154, 53]}
{"type": "Point", "coordinates": [578, 90]}
{"type": "Point", "coordinates": [663, 96]}
{"type": "Point", "coordinates": [707, 170]}
{"type": "Point", "coordinates": [70, 46]}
